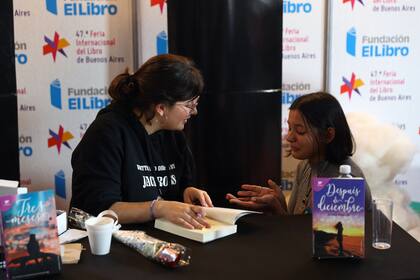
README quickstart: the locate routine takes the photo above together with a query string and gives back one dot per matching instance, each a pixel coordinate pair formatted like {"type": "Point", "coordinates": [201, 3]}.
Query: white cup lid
{"type": "Point", "coordinates": [99, 222]}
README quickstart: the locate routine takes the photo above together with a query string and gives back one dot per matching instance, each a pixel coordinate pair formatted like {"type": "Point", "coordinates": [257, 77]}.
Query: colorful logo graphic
{"type": "Point", "coordinates": [21, 58]}
{"type": "Point", "coordinates": [27, 151]}
{"type": "Point", "coordinates": [292, 7]}
{"type": "Point", "coordinates": [55, 94]}
{"type": "Point", "coordinates": [351, 42]}
{"type": "Point", "coordinates": [288, 97]}
{"type": "Point", "coordinates": [381, 45]}
{"type": "Point", "coordinates": [161, 3]}
{"type": "Point", "coordinates": [20, 52]}
{"type": "Point", "coordinates": [51, 6]}
{"type": "Point", "coordinates": [25, 145]}
{"type": "Point", "coordinates": [60, 138]}
{"type": "Point", "coordinates": [352, 2]}
{"type": "Point", "coordinates": [352, 85]}
{"type": "Point", "coordinates": [162, 43]}
{"type": "Point", "coordinates": [385, 50]}
{"type": "Point", "coordinates": [54, 46]}
{"type": "Point", "coordinates": [82, 8]}
{"type": "Point", "coordinates": [60, 184]}
{"type": "Point", "coordinates": [90, 98]}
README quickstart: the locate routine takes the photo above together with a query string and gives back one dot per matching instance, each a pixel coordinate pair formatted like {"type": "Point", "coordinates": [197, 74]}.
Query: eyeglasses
{"type": "Point", "coordinates": [191, 105]}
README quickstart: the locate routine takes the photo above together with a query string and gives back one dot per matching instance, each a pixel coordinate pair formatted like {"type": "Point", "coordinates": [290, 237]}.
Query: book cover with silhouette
{"type": "Point", "coordinates": [29, 234]}
{"type": "Point", "coordinates": [338, 217]}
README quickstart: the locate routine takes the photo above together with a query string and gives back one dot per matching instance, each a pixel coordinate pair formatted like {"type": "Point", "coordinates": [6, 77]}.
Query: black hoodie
{"type": "Point", "coordinates": [117, 160]}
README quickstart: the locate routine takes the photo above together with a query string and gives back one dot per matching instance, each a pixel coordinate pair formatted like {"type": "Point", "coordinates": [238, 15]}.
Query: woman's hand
{"type": "Point", "coordinates": [250, 191]}
{"type": "Point", "coordinates": [196, 196]}
{"type": "Point", "coordinates": [183, 214]}
{"type": "Point", "coordinates": [259, 198]}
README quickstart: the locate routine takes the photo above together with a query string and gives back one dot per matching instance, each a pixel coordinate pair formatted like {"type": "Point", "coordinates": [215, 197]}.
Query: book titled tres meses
{"type": "Point", "coordinates": [29, 234]}
{"type": "Point", "coordinates": [338, 217]}
{"type": "Point", "coordinates": [221, 220]}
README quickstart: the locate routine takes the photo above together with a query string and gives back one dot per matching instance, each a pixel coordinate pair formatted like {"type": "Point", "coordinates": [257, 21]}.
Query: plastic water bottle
{"type": "Point", "coordinates": [345, 171]}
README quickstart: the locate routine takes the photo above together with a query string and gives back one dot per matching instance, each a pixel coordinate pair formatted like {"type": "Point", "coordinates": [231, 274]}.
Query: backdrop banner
{"type": "Point", "coordinates": [373, 50]}
{"type": "Point", "coordinates": [303, 64]}
{"type": "Point", "coordinates": [152, 26]}
{"type": "Point", "coordinates": [67, 52]}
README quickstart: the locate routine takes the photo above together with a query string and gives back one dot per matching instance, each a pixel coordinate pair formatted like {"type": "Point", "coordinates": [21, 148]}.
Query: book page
{"type": "Point", "coordinates": [9, 184]}
{"type": "Point", "coordinates": [227, 215]}
{"type": "Point", "coordinates": [216, 231]}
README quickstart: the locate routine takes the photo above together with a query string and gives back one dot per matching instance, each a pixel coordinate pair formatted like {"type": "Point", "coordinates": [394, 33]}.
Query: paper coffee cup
{"type": "Point", "coordinates": [100, 231]}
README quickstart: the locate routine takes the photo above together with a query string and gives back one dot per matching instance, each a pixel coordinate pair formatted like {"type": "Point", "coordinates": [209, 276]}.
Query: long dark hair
{"type": "Point", "coordinates": [321, 111]}
{"type": "Point", "coordinates": [164, 79]}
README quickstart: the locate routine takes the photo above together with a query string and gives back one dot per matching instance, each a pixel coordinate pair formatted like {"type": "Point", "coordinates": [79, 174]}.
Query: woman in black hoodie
{"type": "Point", "coordinates": [134, 158]}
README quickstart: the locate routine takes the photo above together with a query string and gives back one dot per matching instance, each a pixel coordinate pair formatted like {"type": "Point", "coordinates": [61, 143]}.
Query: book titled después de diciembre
{"type": "Point", "coordinates": [338, 217]}
{"type": "Point", "coordinates": [29, 234]}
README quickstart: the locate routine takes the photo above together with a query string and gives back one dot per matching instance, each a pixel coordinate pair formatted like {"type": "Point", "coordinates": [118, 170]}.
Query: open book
{"type": "Point", "coordinates": [221, 220]}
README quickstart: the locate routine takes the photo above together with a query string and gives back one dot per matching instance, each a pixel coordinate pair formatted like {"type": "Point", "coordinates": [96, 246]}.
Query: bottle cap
{"type": "Point", "coordinates": [345, 169]}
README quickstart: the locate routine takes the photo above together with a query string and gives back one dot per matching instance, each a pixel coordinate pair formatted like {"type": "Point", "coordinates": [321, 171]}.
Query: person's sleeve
{"type": "Point", "coordinates": [97, 163]}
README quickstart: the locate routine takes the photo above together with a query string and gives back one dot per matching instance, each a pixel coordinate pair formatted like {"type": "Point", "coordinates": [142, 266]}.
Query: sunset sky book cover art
{"type": "Point", "coordinates": [30, 236]}
{"type": "Point", "coordinates": [338, 217]}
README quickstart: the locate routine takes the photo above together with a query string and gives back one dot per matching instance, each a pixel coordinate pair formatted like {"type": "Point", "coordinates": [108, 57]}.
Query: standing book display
{"type": "Point", "coordinates": [29, 234]}
{"type": "Point", "coordinates": [338, 217]}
